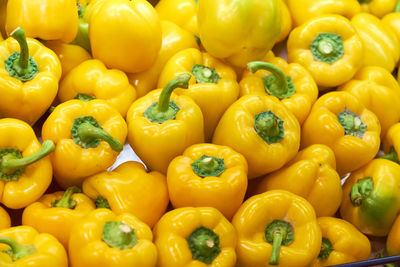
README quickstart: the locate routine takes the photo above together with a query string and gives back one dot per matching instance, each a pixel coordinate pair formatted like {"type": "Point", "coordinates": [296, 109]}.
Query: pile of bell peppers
{"type": "Point", "coordinates": [268, 132]}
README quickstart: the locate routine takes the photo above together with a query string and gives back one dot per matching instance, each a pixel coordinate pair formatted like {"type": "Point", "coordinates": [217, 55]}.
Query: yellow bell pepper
{"type": "Point", "coordinates": [291, 83]}
{"type": "Point", "coordinates": [303, 10]}
{"type": "Point", "coordinates": [29, 75]}
{"type": "Point", "coordinates": [44, 19]}
{"type": "Point", "coordinates": [370, 197]}
{"type": "Point", "coordinates": [162, 124]}
{"type": "Point", "coordinates": [379, 91]}
{"type": "Point", "coordinates": [378, 8]}
{"type": "Point", "coordinates": [195, 237]}
{"type": "Point", "coordinates": [311, 175]}
{"type": "Point", "coordinates": [129, 188]}
{"type": "Point", "coordinates": [69, 55]}
{"type": "Point", "coordinates": [181, 12]}
{"type": "Point", "coordinates": [25, 171]}
{"type": "Point", "coordinates": [22, 246]}
{"type": "Point", "coordinates": [125, 35]}
{"type": "Point", "coordinates": [248, 30]}
{"type": "Point", "coordinates": [105, 239]}
{"type": "Point", "coordinates": [393, 239]}
{"type": "Point", "coordinates": [88, 138]}
{"type": "Point", "coordinates": [3, 13]}
{"type": "Point", "coordinates": [391, 143]}
{"type": "Point", "coordinates": [276, 228]}
{"type": "Point", "coordinates": [261, 129]}
{"type": "Point", "coordinates": [208, 175]}
{"type": "Point", "coordinates": [92, 80]}
{"type": "Point", "coordinates": [213, 84]}
{"type": "Point", "coordinates": [381, 47]}
{"type": "Point", "coordinates": [174, 39]}
{"type": "Point", "coordinates": [392, 20]}
{"type": "Point", "coordinates": [58, 212]}
{"type": "Point", "coordinates": [5, 220]}
{"type": "Point", "coordinates": [286, 22]}
{"type": "Point", "coordinates": [340, 121]}
{"type": "Point", "coordinates": [341, 243]}
{"type": "Point", "coordinates": [329, 47]}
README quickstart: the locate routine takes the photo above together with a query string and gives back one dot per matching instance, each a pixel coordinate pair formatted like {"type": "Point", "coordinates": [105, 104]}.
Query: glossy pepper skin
{"type": "Point", "coordinates": [31, 248]}
{"type": "Point", "coordinates": [5, 220]}
{"type": "Point", "coordinates": [27, 87]}
{"type": "Point", "coordinates": [129, 188]}
{"type": "Point", "coordinates": [195, 237]}
{"type": "Point", "coordinates": [391, 143]}
{"type": "Point", "coordinates": [287, 22]}
{"type": "Point", "coordinates": [370, 197]}
{"type": "Point", "coordinates": [125, 35]}
{"type": "Point", "coordinates": [311, 175]}
{"type": "Point", "coordinates": [381, 47]}
{"type": "Point", "coordinates": [261, 129]}
{"type": "Point", "coordinates": [21, 184]}
{"type": "Point", "coordinates": [341, 243]}
{"type": "Point", "coordinates": [69, 55]}
{"type": "Point", "coordinates": [58, 212]}
{"type": "Point", "coordinates": [208, 175]}
{"type": "Point", "coordinates": [92, 80]}
{"type": "Point", "coordinates": [174, 39]}
{"type": "Point", "coordinates": [44, 19]}
{"type": "Point", "coordinates": [379, 91]}
{"type": "Point", "coordinates": [181, 12]}
{"type": "Point", "coordinates": [90, 150]}
{"type": "Point", "coordinates": [308, 9]}
{"type": "Point", "coordinates": [378, 8]}
{"type": "Point", "coordinates": [268, 215]}
{"type": "Point", "coordinates": [340, 121]}
{"type": "Point", "coordinates": [157, 142]}
{"type": "Point", "coordinates": [213, 94]}
{"type": "Point", "coordinates": [304, 89]}
{"type": "Point", "coordinates": [329, 47]}
{"type": "Point", "coordinates": [393, 240]}
{"type": "Point", "coordinates": [104, 239]}
{"type": "Point", "coordinates": [392, 20]}
{"type": "Point", "coordinates": [249, 30]}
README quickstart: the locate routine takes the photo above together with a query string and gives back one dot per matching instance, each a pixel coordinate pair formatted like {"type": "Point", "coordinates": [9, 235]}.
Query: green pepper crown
{"type": "Point", "coordinates": [164, 109]}
{"type": "Point", "coordinates": [102, 202]}
{"type": "Point", "coordinates": [119, 235]}
{"type": "Point", "coordinates": [84, 97]}
{"type": "Point", "coordinates": [361, 190]}
{"type": "Point", "coordinates": [326, 249]}
{"type": "Point", "coordinates": [276, 83]}
{"type": "Point", "coordinates": [66, 201]}
{"type": "Point", "coordinates": [277, 233]}
{"type": "Point", "coordinates": [12, 164]}
{"type": "Point", "coordinates": [391, 156]}
{"type": "Point", "coordinates": [205, 74]}
{"type": "Point", "coordinates": [87, 132]}
{"type": "Point", "coordinates": [208, 166]}
{"type": "Point", "coordinates": [19, 64]}
{"type": "Point", "coordinates": [352, 123]}
{"type": "Point", "coordinates": [364, 1]}
{"type": "Point", "coordinates": [204, 244]}
{"type": "Point", "coordinates": [269, 127]}
{"type": "Point", "coordinates": [16, 250]}
{"type": "Point", "coordinates": [327, 47]}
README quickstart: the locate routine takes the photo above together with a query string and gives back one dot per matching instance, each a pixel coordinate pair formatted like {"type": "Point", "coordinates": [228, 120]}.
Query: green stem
{"type": "Point", "coordinates": [9, 165]}
{"type": "Point", "coordinates": [326, 249]}
{"type": "Point", "coordinates": [102, 203]}
{"type": "Point", "coordinates": [87, 132]}
{"type": "Point", "coordinates": [269, 127]}
{"type": "Point", "coordinates": [278, 233]}
{"type": "Point", "coordinates": [361, 190]}
{"type": "Point", "coordinates": [391, 156]}
{"type": "Point", "coordinates": [397, 7]}
{"type": "Point", "coordinates": [18, 251]}
{"type": "Point", "coordinates": [277, 83]}
{"type": "Point", "coordinates": [327, 47]}
{"type": "Point", "coordinates": [205, 74]}
{"type": "Point", "coordinates": [66, 201]}
{"type": "Point", "coordinates": [352, 123]}
{"type": "Point", "coordinates": [182, 81]}
{"type": "Point", "coordinates": [19, 64]}
{"type": "Point", "coordinates": [276, 246]}
{"type": "Point", "coordinates": [204, 244]}
{"type": "Point", "coordinates": [119, 235]}
{"type": "Point", "coordinates": [208, 166]}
